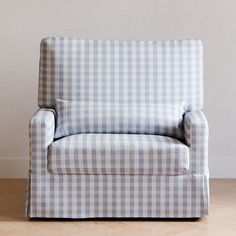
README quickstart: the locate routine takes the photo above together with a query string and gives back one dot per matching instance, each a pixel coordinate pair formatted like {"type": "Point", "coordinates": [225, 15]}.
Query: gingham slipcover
{"type": "Point", "coordinates": [119, 154]}
{"type": "Point", "coordinates": [75, 117]}
{"type": "Point", "coordinates": [117, 71]}
{"type": "Point", "coordinates": [121, 71]}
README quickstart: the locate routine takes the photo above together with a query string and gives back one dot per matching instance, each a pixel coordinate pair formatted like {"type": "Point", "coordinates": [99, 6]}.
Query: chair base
{"type": "Point", "coordinates": [117, 196]}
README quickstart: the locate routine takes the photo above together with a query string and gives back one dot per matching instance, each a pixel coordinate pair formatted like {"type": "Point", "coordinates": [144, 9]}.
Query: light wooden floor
{"type": "Point", "coordinates": [221, 221]}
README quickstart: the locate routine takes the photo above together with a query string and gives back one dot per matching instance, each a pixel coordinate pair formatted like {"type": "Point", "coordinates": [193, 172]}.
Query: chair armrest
{"type": "Point", "coordinates": [41, 131]}
{"type": "Point", "coordinates": [196, 134]}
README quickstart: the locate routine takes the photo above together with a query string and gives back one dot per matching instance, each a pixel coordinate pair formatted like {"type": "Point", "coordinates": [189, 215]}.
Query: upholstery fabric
{"type": "Point", "coordinates": [118, 154]}
{"type": "Point", "coordinates": [196, 135]}
{"type": "Point", "coordinates": [95, 196]}
{"type": "Point", "coordinates": [121, 71]}
{"type": "Point", "coordinates": [89, 196]}
{"type": "Point", "coordinates": [74, 117]}
{"type": "Point", "coordinates": [42, 126]}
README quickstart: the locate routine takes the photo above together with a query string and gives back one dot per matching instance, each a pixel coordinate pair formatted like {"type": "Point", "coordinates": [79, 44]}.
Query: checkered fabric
{"type": "Point", "coordinates": [121, 71]}
{"type": "Point", "coordinates": [74, 117]}
{"type": "Point", "coordinates": [95, 196]}
{"type": "Point", "coordinates": [42, 126]}
{"type": "Point", "coordinates": [196, 136]}
{"type": "Point", "coordinates": [89, 196]}
{"type": "Point", "coordinates": [118, 154]}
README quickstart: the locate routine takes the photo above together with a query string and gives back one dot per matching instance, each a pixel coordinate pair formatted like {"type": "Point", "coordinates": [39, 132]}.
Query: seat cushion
{"type": "Point", "coordinates": [74, 117]}
{"type": "Point", "coordinates": [127, 154]}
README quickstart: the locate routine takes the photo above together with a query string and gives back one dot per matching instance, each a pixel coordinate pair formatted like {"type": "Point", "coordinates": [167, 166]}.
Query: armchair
{"type": "Point", "coordinates": [124, 153]}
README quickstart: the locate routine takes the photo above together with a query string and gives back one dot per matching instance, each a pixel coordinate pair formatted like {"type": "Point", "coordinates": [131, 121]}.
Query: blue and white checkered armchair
{"type": "Point", "coordinates": [119, 131]}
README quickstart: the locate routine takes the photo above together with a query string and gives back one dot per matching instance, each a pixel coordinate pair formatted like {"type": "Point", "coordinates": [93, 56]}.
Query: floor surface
{"type": "Point", "coordinates": [221, 221]}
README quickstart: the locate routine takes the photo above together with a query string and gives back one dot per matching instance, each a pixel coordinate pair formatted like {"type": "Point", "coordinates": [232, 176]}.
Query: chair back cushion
{"type": "Point", "coordinates": [121, 71]}
{"type": "Point", "coordinates": [74, 117]}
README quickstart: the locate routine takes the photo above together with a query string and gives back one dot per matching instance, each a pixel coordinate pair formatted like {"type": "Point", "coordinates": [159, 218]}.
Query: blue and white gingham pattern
{"type": "Point", "coordinates": [132, 72]}
{"type": "Point", "coordinates": [196, 135]}
{"type": "Point", "coordinates": [94, 196]}
{"type": "Point", "coordinates": [85, 196]}
{"type": "Point", "coordinates": [118, 154]}
{"type": "Point", "coordinates": [42, 127]}
{"type": "Point", "coordinates": [74, 117]}
{"type": "Point", "coordinates": [121, 71]}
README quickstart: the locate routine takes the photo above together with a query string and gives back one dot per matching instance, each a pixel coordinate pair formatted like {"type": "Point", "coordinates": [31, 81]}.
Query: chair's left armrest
{"type": "Point", "coordinates": [41, 131]}
{"type": "Point", "coordinates": [196, 134]}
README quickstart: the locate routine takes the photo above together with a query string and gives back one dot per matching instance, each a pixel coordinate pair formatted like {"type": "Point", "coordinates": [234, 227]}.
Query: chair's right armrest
{"type": "Point", "coordinates": [41, 131]}
{"type": "Point", "coordinates": [196, 134]}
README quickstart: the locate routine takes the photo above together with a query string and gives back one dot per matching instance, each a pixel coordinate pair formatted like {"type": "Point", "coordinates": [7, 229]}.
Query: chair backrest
{"type": "Point", "coordinates": [121, 71]}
